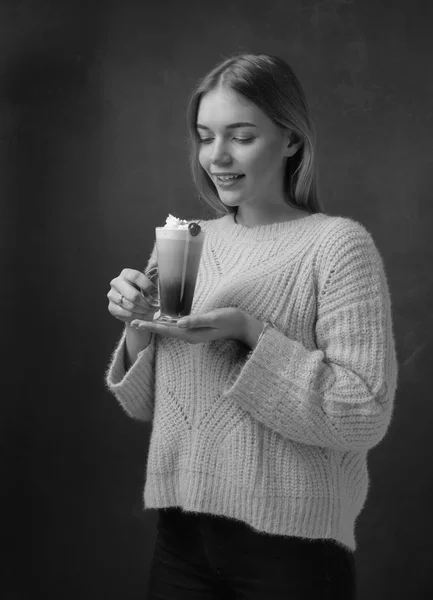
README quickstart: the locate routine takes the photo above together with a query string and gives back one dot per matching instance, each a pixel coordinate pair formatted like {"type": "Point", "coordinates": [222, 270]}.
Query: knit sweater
{"type": "Point", "coordinates": [277, 437]}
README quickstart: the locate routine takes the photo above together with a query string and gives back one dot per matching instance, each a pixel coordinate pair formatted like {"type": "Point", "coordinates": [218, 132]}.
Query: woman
{"type": "Point", "coordinates": [267, 398]}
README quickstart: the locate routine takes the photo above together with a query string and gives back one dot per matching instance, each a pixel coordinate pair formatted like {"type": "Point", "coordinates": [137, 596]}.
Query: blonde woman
{"type": "Point", "coordinates": [264, 401]}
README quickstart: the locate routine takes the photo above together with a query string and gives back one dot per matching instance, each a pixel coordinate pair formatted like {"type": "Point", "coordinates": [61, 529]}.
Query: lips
{"type": "Point", "coordinates": [226, 179]}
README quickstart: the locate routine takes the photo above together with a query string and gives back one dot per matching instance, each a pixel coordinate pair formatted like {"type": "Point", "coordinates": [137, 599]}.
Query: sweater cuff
{"type": "Point", "coordinates": [133, 388]}
{"type": "Point", "coordinates": [252, 384]}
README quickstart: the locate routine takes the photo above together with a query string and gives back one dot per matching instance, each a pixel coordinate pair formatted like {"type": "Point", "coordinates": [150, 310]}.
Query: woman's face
{"type": "Point", "coordinates": [241, 149]}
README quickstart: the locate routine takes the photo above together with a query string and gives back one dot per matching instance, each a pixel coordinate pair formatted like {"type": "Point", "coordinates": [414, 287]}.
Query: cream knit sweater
{"type": "Point", "coordinates": [277, 438]}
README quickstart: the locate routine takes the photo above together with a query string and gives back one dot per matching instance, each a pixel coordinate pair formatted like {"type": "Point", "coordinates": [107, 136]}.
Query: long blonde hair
{"type": "Point", "coordinates": [270, 83]}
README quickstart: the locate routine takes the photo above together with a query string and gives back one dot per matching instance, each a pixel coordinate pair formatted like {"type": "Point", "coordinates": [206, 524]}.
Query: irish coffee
{"type": "Point", "coordinates": [178, 255]}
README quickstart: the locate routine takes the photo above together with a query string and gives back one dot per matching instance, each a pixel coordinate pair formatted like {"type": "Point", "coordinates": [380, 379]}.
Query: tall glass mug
{"type": "Point", "coordinates": [178, 254]}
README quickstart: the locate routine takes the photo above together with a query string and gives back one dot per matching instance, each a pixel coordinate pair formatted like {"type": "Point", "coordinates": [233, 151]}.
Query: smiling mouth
{"type": "Point", "coordinates": [227, 178]}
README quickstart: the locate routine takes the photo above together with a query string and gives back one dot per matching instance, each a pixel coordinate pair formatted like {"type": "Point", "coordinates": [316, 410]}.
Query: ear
{"type": "Point", "coordinates": [293, 144]}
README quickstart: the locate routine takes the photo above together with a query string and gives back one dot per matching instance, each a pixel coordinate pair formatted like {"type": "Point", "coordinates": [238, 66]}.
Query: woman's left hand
{"type": "Point", "coordinates": [220, 323]}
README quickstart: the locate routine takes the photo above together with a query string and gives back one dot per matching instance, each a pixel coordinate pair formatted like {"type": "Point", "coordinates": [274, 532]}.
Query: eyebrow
{"type": "Point", "coordinates": [232, 126]}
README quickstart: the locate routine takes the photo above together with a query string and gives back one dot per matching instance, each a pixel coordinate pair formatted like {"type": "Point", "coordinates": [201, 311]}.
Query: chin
{"type": "Point", "coordinates": [230, 201]}
{"type": "Point", "coordinates": [230, 204]}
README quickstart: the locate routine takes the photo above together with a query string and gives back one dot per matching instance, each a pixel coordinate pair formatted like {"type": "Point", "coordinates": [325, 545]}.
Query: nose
{"type": "Point", "coordinates": [220, 154]}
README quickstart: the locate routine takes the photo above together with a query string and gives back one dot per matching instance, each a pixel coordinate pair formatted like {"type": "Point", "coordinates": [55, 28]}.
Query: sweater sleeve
{"type": "Point", "coordinates": [340, 394]}
{"type": "Point", "coordinates": [133, 389]}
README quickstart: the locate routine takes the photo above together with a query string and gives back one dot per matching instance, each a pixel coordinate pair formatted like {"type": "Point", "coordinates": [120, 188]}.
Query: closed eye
{"type": "Point", "coordinates": [239, 140]}
{"type": "Point", "coordinates": [244, 140]}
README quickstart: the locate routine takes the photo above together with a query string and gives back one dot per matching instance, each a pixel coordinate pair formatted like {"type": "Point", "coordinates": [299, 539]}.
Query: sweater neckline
{"type": "Point", "coordinates": [269, 231]}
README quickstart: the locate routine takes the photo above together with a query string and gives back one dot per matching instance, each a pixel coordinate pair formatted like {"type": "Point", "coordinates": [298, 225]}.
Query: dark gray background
{"type": "Point", "coordinates": [93, 157]}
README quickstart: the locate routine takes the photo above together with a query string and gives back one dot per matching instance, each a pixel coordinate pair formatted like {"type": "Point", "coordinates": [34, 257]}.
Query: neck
{"type": "Point", "coordinates": [287, 213]}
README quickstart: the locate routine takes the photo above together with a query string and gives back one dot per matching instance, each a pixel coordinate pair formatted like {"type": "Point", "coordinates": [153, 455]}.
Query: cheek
{"type": "Point", "coordinates": [258, 162]}
{"type": "Point", "coordinates": [203, 158]}
{"type": "Point", "coordinates": [267, 160]}
{"type": "Point", "coordinates": [260, 154]}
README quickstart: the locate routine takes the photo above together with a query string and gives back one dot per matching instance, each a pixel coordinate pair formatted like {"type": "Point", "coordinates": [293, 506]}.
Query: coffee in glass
{"type": "Point", "coordinates": [178, 255]}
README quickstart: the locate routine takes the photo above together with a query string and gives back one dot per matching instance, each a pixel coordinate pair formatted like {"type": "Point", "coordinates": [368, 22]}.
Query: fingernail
{"type": "Point", "coordinates": [182, 324]}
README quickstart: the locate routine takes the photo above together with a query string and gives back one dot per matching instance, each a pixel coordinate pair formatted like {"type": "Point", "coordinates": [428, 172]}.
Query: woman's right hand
{"type": "Point", "coordinates": [133, 295]}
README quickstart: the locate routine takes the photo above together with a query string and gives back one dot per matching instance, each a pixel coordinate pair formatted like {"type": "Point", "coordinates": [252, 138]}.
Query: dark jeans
{"type": "Point", "coordinates": [211, 557]}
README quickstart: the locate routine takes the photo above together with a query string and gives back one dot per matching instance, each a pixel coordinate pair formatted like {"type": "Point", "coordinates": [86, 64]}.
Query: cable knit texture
{"type": "Point", "coordinates": [277, 437]}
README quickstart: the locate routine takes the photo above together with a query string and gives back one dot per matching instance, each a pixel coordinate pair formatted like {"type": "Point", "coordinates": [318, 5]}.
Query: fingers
{"type": "Point", "coordinates": [135, 287]}
{"type": "Point", "coordinates": [125, 315]}
{"type": "Point", "coordinates": [141, 280]}
{"type": "Point", "coordinates": [126, 300]}
{"type": "Point", "coordinates": [195, 322]}
{"type": "Point", "coordinates": [195, 336]}
{"type": "Point", "coordinates": [164, 329]}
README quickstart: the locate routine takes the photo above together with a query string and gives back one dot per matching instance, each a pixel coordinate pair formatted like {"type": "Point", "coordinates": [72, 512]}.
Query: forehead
{"type": "Point", "coordinates": [223, 106]}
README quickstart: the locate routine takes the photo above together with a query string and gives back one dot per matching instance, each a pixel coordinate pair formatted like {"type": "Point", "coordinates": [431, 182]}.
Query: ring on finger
{"type": "Point", "coordinates": [121, 300]}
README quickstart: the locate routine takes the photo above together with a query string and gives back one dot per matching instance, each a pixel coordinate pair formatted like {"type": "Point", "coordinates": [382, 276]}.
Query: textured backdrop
{"type": "Point", "coordinates": [93, 157]}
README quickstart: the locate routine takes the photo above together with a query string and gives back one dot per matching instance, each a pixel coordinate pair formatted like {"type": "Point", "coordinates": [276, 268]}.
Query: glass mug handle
{"type": "Point", "coordinates": [152, 274]}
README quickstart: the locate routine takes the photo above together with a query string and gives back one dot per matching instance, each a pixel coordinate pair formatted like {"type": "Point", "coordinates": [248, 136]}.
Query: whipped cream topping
{"type": "Point", "coordinates": [175, 223]}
